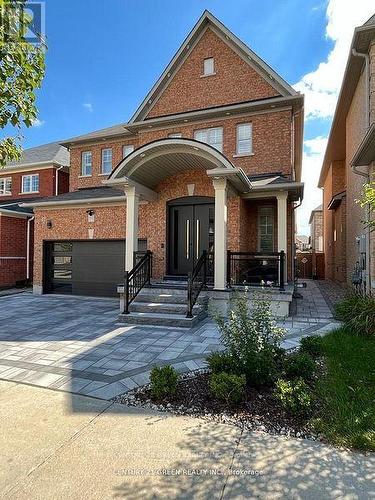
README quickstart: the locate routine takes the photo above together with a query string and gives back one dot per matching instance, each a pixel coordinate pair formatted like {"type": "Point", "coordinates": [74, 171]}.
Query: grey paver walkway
{"type": "Point", "coordinates": [59, 446]}
{"type": "Point", "coordinates": [75, 344]}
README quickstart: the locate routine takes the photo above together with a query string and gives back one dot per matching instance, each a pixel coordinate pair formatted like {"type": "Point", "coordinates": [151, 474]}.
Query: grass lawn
{"type": "Point", "coordinates": [347, 391]}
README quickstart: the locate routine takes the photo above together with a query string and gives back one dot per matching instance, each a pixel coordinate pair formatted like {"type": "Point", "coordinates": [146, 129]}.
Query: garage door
{"type": "Point", "coordinates": [85, 267]}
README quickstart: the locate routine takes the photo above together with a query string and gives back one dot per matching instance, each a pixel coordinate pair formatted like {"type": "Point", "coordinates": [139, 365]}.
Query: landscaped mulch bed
{"type": "Point", "coordinates": [260, 409]}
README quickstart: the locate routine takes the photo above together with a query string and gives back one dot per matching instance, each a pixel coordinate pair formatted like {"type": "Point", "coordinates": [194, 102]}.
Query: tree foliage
{"type": "Point", "coordinates": [21, 73]}
{"type": "Point", "coordinates": [368, 200]}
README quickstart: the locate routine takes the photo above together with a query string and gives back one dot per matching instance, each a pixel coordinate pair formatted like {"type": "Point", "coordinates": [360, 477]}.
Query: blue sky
{"type": "Point", "coordinates": [104, 55]}
{"type": "Point", "coordinates": [108, 54]}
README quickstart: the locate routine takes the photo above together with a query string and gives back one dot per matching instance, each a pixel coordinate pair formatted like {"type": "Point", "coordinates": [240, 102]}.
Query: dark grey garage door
{"type": "Point", "coordinates": [85, 267]}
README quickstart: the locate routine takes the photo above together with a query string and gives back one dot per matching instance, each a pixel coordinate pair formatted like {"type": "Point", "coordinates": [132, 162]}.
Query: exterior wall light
{"type": "Point", "coordinates": [49, 224]}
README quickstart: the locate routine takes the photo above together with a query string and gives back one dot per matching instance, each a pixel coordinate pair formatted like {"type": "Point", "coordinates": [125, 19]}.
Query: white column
{"type": "Point", "coordinates": [282, 228]}
{"type": "Point", "coordinates": [132, 202]}
{"type": "Point", "coordinates": [220, 278]}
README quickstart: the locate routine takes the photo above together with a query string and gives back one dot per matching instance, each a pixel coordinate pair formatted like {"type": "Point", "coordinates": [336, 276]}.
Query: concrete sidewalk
{"type": "Point", "coordinates": [62, 446]}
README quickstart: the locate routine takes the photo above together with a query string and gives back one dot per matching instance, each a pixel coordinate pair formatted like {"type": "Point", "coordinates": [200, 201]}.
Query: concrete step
{"type": "Point", "coordinates": [146, 295]}
{"type": "Point", "coordinates": [155, 319]}
{"type": "Point", "coordinates": [163, 307]}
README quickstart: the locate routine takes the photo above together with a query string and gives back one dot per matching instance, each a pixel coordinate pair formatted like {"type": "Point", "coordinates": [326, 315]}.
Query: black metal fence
{"type": "Point", "coordinates": [137, 278]}
{"type": "Point", "coordinates": [256, 269]}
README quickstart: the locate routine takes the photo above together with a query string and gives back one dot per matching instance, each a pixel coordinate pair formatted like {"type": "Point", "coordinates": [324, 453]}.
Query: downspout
{"type": "Point", "coordinates": [366, 57]}
{"type": "Point", "coordinates": [28, 247]}
{"type": "Point", "coordinates": [57, 181]}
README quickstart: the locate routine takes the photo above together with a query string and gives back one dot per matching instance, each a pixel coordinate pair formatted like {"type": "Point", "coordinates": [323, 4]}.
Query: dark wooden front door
{"type": "Point", "coordinates": [190, 231]}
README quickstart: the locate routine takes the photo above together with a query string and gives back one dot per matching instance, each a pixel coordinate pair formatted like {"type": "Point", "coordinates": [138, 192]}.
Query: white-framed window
{"type": "Point", "coordinates": [127, 149]}
{"type": "Point", "coordinates": [106, 161]}
{"type": "Point", "coordinates": [30, 183]}
{"type": "Point", "coordinates": [266, 229]}
{"type": "Point", "coordinates": [211, 136]}
{"type": "Point", "coordinates": [5, 186]}
{"type": "Point", "coordinates": [209, 66]}
{"type": "Point", "coordinates": [86, 166]}
{"type": "Point", "coordinates": [244, 139]}
{"type": "Point", "coordinates": [176, 135]}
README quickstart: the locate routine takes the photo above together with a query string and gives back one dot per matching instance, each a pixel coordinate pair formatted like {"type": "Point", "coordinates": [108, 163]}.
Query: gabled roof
{"type": "Point", "coordinates": [208, 20]}
{"type": "Point", "coordinates": [52, 152]}
{"type": "Point", "coordinates": [319, 208]}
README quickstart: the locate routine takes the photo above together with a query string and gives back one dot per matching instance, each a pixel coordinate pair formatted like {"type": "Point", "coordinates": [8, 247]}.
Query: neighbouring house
{"type": "Point", "coordinates": [302, 243]}
{"type": "Point", "coordinates": [205, 176]}
{"type": "Point", "coordinates": [316, 229]}
{"type": "Point", "coordinates": [42, 171]}
{"type": "Point", "coordinates": [349, 247]}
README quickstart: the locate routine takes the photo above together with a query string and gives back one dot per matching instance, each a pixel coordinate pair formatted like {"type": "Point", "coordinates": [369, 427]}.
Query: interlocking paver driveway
{"type": "Point", "coordinates": [76, 344]}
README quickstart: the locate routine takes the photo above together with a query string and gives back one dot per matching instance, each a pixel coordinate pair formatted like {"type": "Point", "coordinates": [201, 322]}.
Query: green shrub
{"type": "Point", "coordinates": [299, 365]}
{"type": "Point", "coordinates": [163, 381]}
{"type": "Point", "coordinates": [221, 362]}
{"type": "Point", "coordinates": [358, 313]}
{"type": "Point", "coordinates": [312, 345]}
{"type": "Point", "coordinates": [228, 387]}
{"type": "Point", "coordinates": [252, 339]}
{"type": "Point", "coordinates": [295, 396]}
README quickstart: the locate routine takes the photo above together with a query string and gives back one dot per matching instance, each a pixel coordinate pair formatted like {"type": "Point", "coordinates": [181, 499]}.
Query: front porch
{"type": "Point", "coordinates": [193, 202]}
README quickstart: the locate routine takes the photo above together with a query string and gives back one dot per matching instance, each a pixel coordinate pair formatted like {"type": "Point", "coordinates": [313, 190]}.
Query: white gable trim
{"type": "Point", "coordinates": [208, 20]}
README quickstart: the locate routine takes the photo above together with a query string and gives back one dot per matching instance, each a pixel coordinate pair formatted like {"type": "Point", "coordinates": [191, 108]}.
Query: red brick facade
{"type": "Point", "coordinates": [229, 84]}
{"type": "Point", "coordinates": [235, 81]}
{"type": "Point", "coordinates": [13, 228]}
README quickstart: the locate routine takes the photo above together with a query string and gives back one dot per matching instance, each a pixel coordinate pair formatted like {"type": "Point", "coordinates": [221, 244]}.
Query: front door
{"type": "Point", "coordinates": [191, 230]}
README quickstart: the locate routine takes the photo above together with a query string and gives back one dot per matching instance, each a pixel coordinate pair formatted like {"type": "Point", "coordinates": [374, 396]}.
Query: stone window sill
{"type": "Point", "coordinates": [243, 155]}
{"type": "Point", "coordinates": [84, 176]}
{"type": "Point", "coordinates": [29, 192]}
{"type": "Point", "coordinates": [211, 74]}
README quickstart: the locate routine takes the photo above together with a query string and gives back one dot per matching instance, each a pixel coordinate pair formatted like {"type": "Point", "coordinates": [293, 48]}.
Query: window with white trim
{"type": "Point", "coordinates": [127, 149]}
{"type": "Point", "coordinates": [86, 167]}
{"type": "Point", "coordinates": [177, 135]}
{"type": "Point", "coordinates": [106, 161]}
{"type": "Point", "coordinates": [211, 136]}
{"type": "Point", "coordinates": [30, 183]}
{"type": "Point", "coordinates": [208, 66]}
{"type": "Point", "coordinates": [244, 138]}
{"type": "Point", "coordinates": [266, 229]}
{"type": "Point", "coordinates": [5, 186]}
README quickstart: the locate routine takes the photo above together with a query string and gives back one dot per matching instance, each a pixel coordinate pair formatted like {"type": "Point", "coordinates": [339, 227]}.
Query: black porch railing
{"type": "Point", "coordinates": [197, 281]}
{"type": "Point", "coordinates": [137, 278]}
{"type": "Point", "coordinates": [256, 269]}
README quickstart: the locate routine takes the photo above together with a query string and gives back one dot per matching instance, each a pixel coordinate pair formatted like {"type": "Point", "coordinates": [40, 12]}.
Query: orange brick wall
{"type": "Point", "coordinates": [188, 90]}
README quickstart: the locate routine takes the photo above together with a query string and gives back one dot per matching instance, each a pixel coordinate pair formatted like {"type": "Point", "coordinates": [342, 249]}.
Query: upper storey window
{"type": "Point", "coordinates": [244, 139]}
{"type": "Point", "coordinates": [5, 186]}
{"type": "Point", "coordinates": [30, 183]}
{"type": "Point", "coordinates": [208, 66]}
{"type": "Point", "coordinates": [106, 161]}
{"type": "Point", "coordinates": [126, 150]}
{"type": "Point", "coordinates": [211, 136]}
{"type": "Point", "coordinates": [86, 167]}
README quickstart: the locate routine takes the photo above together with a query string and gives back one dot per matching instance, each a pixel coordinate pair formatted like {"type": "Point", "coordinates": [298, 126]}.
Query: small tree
{"type": "Point", "coordinates": [21, 73]}
{"type": "Point", "coordinates": [252, 340]}
{"type": "Point", "coordinates": [368, 200]}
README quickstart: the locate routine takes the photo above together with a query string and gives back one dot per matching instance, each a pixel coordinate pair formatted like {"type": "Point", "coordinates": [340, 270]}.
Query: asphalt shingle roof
{"type": "Point", "coordinates": [84, 194]}
{"type": "Point", "coordinates": [52, 152]}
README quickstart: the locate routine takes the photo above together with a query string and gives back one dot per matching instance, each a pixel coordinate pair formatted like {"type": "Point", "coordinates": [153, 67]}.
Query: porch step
{"type": "Point", "coordinates": [164, 307]}
{"type": "Point", "coordinates": [161, 319]}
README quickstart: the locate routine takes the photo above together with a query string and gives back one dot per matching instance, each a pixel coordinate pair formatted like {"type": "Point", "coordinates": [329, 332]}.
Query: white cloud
{"type": "Point", "coordinates": [321, 88]}
{"type": "Point", "coordinates": [88, 106]}
{"type": "Point", "coordinates": [312, 160]}
{"type": "Point", "coordinates": [38, 123]}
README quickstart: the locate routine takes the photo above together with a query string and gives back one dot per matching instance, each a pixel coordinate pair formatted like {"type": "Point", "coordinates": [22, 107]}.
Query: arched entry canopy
{"type": "Point", "coordinates": [148, 165]}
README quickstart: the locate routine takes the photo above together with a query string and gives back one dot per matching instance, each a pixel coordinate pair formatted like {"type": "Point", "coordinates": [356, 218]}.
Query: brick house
{"type": "Point", "coordinates": [210, 161]}
{"type": "Point", "coordinates": [41, 172]}
{"type": "Point", "coordinates": [316, 229]}
{"type": "Point", "coordinates": [349, 247]}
